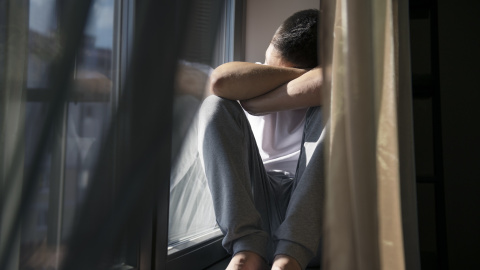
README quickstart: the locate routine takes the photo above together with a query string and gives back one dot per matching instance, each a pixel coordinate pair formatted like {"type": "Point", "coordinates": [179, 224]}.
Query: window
{"type": "Point", "coordinates": [79, 185]}
{"type": "Point", "coordinates": [192, 225]}
{"type": "Point", "coordinates": [55, 179]}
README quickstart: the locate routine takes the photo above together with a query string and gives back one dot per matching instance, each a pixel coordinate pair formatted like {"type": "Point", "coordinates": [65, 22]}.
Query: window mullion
{"type": "Point", "coordinates": [56, 184]}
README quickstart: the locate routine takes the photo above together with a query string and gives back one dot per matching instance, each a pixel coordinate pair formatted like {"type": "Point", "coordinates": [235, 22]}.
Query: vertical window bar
{"type": "Point", "coordinates": [117, 60]}
{"type": "Point", "coordinates": [133, 252]}
{"type": "Point", "coordinates": [163, 14]}
{"type": "Point", "coordinates": [56, 184]}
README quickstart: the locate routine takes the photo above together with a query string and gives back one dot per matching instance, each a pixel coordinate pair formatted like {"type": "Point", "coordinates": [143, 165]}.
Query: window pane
{"type": "Point", "coordinates": [67, 169]}
{"type": "Point", "coordinates": [192, 219]}
{"type": "Point", "coordinates": [191, 207]}
{"type": "Point", "coordinates": [43, 42]}
{"type": "Point", "coordinates": [34, 233]}
{"type": "Point", "coordinates": [38, 242]}
{"type": "Point", "coordinates": [88, 116]}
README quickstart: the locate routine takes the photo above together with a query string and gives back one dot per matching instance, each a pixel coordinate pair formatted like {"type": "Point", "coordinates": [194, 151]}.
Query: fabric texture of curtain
{"type": "Point", "coordinates": [13, 43]}
{"type": "Point", "coordinates": [370, 208]}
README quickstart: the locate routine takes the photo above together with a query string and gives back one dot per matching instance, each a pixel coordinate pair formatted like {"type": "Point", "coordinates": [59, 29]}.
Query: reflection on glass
{"type": "Point", "coordinates": [192, 218]}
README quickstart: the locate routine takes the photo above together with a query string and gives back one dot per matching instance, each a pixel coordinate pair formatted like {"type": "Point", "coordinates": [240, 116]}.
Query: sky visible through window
{"type": "Point", "coordinates": [100, 23]}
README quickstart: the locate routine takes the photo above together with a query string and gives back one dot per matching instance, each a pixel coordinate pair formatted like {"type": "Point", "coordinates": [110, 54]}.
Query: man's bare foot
{"type": "Point", "coordinates": [246, 260]}
{"type": "Point", "coordinates": [284, 262]}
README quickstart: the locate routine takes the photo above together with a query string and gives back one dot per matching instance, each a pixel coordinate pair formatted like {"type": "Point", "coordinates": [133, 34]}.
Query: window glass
{"type": "Point", "coordinates": [67, 168]}
{"type": "Point", "coordinates": [42, 41]}
{"type": "Point", "coordinates": [192, 218]}
{"type": "Point", "coordinates": [38, 245]}
{"type": "Point", "coordinates": [89, 113]}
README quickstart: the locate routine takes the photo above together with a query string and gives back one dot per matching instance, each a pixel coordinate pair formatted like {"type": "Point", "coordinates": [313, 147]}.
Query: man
{"type": "Point", "coordinates": [267, 194]}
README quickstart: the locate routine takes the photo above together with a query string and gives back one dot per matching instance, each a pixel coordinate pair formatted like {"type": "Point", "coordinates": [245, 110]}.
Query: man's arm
{"type": "Point", "coordinates": [243, 80]}
{"type": "Point", "coordinates": [301, 92]}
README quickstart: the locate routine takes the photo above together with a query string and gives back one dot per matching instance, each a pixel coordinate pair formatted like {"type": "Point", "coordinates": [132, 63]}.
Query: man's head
{"type": "Point", "coordinates": [296, 40]}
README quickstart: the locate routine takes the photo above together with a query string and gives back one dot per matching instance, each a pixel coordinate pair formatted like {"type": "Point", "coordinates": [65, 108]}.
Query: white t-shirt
{"type": "Point", "coordinates": [279, 136]}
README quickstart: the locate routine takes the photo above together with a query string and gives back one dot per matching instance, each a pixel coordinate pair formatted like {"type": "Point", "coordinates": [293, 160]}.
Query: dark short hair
{"type": "Point", "coordinates": [296, 39]}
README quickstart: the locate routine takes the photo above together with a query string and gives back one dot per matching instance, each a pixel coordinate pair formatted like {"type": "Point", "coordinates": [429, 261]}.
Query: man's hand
{"type": "Point", "coordinates": [301, 92]}
{"type": "Point", "coordinates": [243, 80]}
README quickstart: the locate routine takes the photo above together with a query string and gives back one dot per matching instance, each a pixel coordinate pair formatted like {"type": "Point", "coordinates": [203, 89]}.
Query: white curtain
{"type": "Point", "coordinates": [370, 209]}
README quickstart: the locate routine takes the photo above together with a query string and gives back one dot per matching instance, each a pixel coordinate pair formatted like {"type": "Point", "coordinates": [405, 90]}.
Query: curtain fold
{"type": "Point", "coordinates": [370, 186]}
{"type": "Point", "coordinates": [13, 45]}
{"type": "Point", "coordinates": [405, 140]}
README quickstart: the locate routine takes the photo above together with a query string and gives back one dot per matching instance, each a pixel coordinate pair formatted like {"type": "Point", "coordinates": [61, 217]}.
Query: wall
{"type": "Point", "coordinates": [262, 20]}
{"type": "Point", "coordinates": [459, 55]}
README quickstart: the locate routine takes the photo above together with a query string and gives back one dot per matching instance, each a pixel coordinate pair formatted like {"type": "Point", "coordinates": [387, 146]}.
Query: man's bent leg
{"type": "Point", "coordinates": [236, 176]}
{"type": "Point", "coordinates": [299, 234]}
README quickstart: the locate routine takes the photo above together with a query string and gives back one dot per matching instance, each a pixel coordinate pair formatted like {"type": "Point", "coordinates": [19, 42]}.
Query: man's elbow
{"type": "Point", "coordinates": [250, 107]}
{"type": "Point", "coordinates": [217, 84]}
{"type": "Point", "coordinates": [222, 85]}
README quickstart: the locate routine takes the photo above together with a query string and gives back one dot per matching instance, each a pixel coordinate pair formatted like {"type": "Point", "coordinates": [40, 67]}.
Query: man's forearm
{"type": "Point", "coordinates": [243, 80]}
{"type": "Point", "coordinates": [301, 92]}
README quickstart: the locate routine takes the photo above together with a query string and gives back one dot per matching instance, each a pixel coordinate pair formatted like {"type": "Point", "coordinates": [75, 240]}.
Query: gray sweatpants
{"type": "Point", "coordinates": [267, 213]}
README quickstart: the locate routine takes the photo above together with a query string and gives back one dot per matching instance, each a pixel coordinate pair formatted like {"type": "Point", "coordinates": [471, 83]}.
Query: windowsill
{"type": "Point", "coordinates": [192, 241]}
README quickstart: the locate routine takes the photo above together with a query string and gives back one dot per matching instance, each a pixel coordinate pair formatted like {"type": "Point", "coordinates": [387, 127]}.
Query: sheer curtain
{"type": "Point", "coordinates": [13, 43]}
{"type": "Point", "coordinates": [370, 208]}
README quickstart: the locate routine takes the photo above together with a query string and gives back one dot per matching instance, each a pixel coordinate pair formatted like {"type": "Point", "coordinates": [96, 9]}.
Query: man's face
{"type": "Point", "coordinates": [274, 58]}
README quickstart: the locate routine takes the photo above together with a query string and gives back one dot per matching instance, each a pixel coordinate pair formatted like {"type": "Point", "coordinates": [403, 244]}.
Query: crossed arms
{"type": "Point", "coordinates": [263, 89]}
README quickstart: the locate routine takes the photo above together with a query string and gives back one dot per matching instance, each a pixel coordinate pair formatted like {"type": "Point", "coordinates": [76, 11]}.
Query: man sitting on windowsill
{"type": "Point", "coordinates": [265, 168]}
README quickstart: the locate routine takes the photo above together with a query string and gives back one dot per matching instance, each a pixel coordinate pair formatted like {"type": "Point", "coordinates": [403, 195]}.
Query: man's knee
{"type": "Point", "coordinates": [214, 107]}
